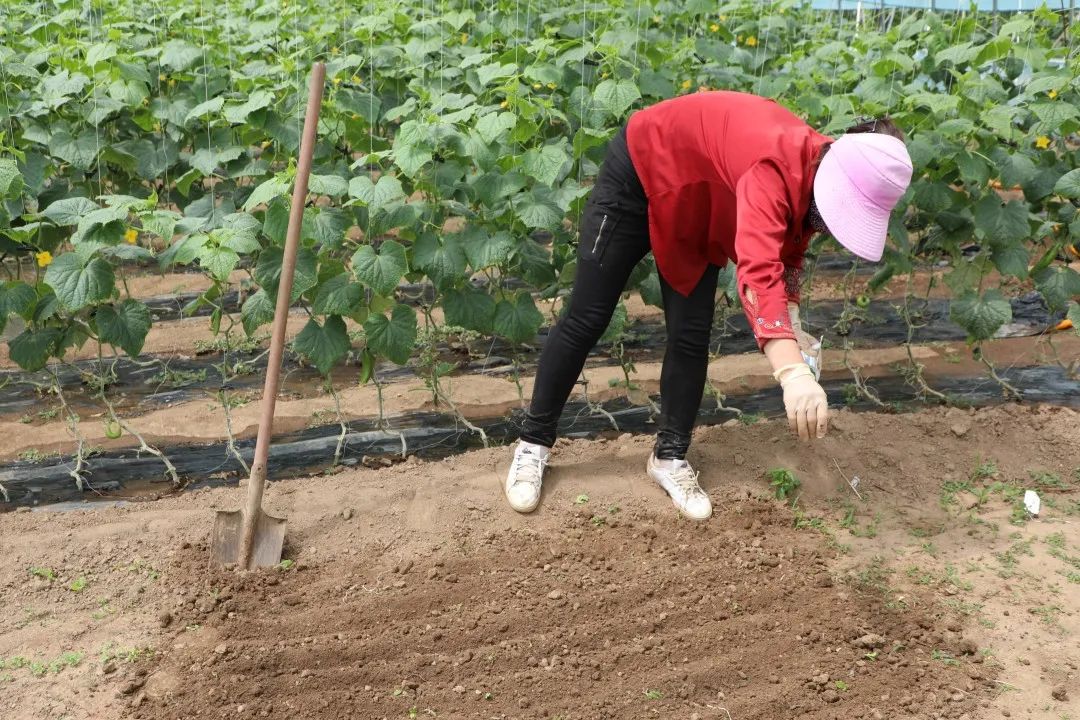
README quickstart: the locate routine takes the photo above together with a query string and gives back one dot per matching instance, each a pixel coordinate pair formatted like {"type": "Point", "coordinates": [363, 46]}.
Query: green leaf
{"type": "Point", "coordinates": [268, 271]}
{"type": "Point", "coordinates": [326, 225]}
{"type": "Point", "coordinates": [205, 110]}
{"type": "Point", "coordinates": [79, 282]}
{"type": "Point", "coordinates": [124, 325]}
{"type": "Point", "coordinates": [206, 161]}
{"type": "Point", "coordinates": [1011, 259]}
{"type": "Point", "coordinates": [332, 185]}
{"type": "Point", "coordinates": [484, 251]}
{"type": "Point", "coordinates": [383, 270]}
{"type": "Point", "coordinates": [338, 296]}
{"type": "Point", "coordinates": [1058, 285]}
{"type": "Point", "coordinates": [442, 260]}
{"type": "Point", "coordinates": [179, 55]}
{"type": "Point", "coordinates": [980, 316]}
{"type": "Point", "coordinates": [237, 114]}
{"type": "Point", "coordinates": [1001, 223]}
{"type": "Point", "coordinates": [410, 158]}
{"type": "Point", "coordinates": [80, 151]}
{"type": "Point", "coordinates": [1074, 316]}
{"type": "Point", "coordinates": [258, 310]}
{"type": "Point", "coordinates": [393, 337]}
{"type": "Point", "coordinates": [69, 211]}
{"type": "Point", "coordinates": [1052, 115]}
{"type": "Point", "coordinates": [545, 164]}
{"type": "Point", "coordinates": [100, 53]}
{"type": "Point", "coordinates": [378, 195]}
{"type": "Point", "coordinates": [31, 349]}
{"type": "Point", "coordinates": [267, 191]}
{"type": "Point", "coordinates": [494, 126]}
{"type": "Point", "coordinates": [16, 298]}
{"type": "Point", "coordinates": [323, 344]}
{"type": "Point", "coordinates": [538, 213]}
{"type": "Point", "coordinates": [242, 242]}
{"type": "Point", "coordinates": [218, 261]}
{"type": "Point", "coordinates": [11, 180]}
{"type": "Point", "coordinates": [470, 309]}
{"type": "Point", "coordinates": [1068, 185]}
{"type": "Point", "coordinates": [937, 103]}
{"type": "Point", "coordinates": [616, 96]}
{"type": "Point", "coordinates": [518, 321]}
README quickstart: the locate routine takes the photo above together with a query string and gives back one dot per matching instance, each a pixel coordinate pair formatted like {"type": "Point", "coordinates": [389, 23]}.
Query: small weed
{"type": "Point", "coordinates": [952, 577]}
{"type": "Point", "coordinates": [413, 713]}
{"type": "Point", "coordinates": [964, 608]}
{"type": "Point", "coordinates": [44, 573]}
{"type": "Point", "coordinates": [1011, 558]}
{"type": "Point", "coordinates": [1048, 481]}
{"type": "Point", "coordinates": [1056, 540]}
{"type": "Point", "coordinates": [612, 509]}
{"type": "Point", "coordinates": [598, 520]}
{"type": "Point", "coordinates": [983, 470]}
{"type": "Point", "coordinates": [944, 657]}
{"type": "Point", "coordinates": [751, 418]}
{"type": "Point", "coordinates": [77, 585]}
{"type": "Point", "coordinates": [848, 520]}
{"type": "Point", "coordinates": [177, 378]}
{"type": "Point", "coordinates": [875, 575]}
{"type": "Point", "coordinates": [68, 659]}
{"type": "Point", "coordinates": [488, 696]}
{"type": "Point", "coordinates": [48, 414]}
{"type": "Point", "coordinates": [26, 419]}
{"type": "Point", "coordinates": [920, 576]}
{"type": "Point", "coordinates": [398, 692]}
{"type": "Point", "coordinates": [841, 685]}
{"type": "Point", "coordinates": [38, 669]}
{"type": "Point", "coordinates": [230, 342]}
{"type": "Point", "coordinates": [871, 656]}
{"type": "Point", "coordinates": [14, 663]}
{"type": "Point", "coordinates": [930, 549]}
{"type": "Point", "coordinates": [1048, 614]}
{"type": "Point", "coordinates": [987, 623]}
{"type": "Point", "coordinates": [141, 567]}
{"type": "Point", "coordinates": [285, 565]}
{"type": "Point", "coordinates": [581, 499]}
{"type": "Point", "coordinates": [654, 694]}
{"type": "Point", "coordinates": [784, 483]}
{"type": "Point", "coordinates": [32, 455]}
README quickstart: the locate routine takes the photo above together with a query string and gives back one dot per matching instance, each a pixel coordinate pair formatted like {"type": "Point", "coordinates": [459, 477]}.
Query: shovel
{"type": "Point", "coordinates": [250, 537]}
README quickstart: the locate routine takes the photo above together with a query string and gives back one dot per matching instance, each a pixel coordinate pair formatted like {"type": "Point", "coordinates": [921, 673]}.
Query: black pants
{"type": "Point", "coordinates": [614, 237]}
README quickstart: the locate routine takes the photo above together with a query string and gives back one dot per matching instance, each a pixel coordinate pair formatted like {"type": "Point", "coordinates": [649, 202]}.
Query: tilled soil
{"type": "Point", "coordinates": [609, 614]}
{"type": "Point", "coordinates": [416, 592]}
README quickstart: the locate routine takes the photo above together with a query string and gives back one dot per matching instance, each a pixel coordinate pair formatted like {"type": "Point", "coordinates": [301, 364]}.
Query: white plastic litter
{"type": "Point", "coordinates": [1032, 502]}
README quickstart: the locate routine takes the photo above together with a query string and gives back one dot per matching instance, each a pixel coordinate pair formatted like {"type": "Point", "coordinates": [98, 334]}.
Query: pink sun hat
{"type": "Point", "coordinates": [859, 182]}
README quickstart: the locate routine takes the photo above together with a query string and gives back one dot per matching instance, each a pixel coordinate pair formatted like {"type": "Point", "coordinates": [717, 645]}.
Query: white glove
{"type": "Point", "coordinates": [806, 404]}
{"type": "Point", "coordinates": [808, 344]}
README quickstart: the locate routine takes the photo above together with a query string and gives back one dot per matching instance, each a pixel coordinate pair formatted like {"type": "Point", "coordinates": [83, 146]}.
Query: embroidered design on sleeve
{"type": "Point", "coordinates": [792, 280]}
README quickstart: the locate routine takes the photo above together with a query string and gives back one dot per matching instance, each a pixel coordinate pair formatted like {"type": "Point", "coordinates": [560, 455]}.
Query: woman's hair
{"type": "Point", "coordinates": [881, 126]}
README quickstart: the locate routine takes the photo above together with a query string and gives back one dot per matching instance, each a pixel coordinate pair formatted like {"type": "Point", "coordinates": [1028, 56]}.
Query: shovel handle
{"type": "Point", "coordinates": [257, 480]}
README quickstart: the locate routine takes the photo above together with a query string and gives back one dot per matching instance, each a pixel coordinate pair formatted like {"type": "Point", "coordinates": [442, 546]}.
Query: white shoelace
{"type": "Point", "coordinates": [528, 468]}
{"type": "Point", "coordinates": [686, 480]}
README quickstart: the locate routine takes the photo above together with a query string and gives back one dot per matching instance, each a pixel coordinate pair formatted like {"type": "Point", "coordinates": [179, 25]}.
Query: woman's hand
{"type": "Point", "coordinates": [805, 401]}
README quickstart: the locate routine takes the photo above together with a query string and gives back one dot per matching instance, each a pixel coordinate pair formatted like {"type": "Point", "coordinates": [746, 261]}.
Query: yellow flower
{"type": "Point", "coordinates": [703, 88]}
{"type": "Point", "coordinates": [723, 18]}
{"type": "Point", "coordinates": [685, 85]}
{"type": "Point", "coordinates": [131, 235]}
{"type": "Point", "coordinates": [714, 27]}
{"type": "Point", "coordinates": [43, 258]}
{"type": "Point", "coordinates": [503, 104]}
{"type": "Point", "coordinates": [265, 144]}
{"type": "Point", "coordinates": [1052, 94]}
{"type": "Point", "coordinates": [603, 75]}
{"type": "Point", "coordinates": [551, 86]}
{"type": "Point", "coordinates": [337, 81]}
{"type": "Point", "coordinates": [464, 38]}
{"type": "Point", "coordinates": [334, 50]}
{"type": "Point", "coordinates": [355, 79]}
{"type": "Point", "coordinates": [537, 86]}
{"type": "Point", "coordinates": [751, 41]}
{"type": "Point", "coordinates": [161, 77]}
{"type": "Point", "coordinates": [355, 116]}
{"type": "Point", "coordinates": [1042, 142]}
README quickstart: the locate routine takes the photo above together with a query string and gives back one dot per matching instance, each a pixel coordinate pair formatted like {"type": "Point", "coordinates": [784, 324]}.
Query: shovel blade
{"type": "Point", "coordinates": [228, 537]}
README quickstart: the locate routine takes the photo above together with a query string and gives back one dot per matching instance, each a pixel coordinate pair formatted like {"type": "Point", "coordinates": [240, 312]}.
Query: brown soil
{"type": "Point", "coordinates": [480, 396]}
{"type": "Point", "coordinates": [416, 587]}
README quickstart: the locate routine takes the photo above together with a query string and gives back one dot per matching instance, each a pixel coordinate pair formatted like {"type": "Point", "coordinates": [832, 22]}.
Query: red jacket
{"type": "Point", "coordinates": [728, 177]}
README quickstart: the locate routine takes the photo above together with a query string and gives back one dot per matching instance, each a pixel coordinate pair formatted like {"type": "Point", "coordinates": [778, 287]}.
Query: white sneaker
{"type": "Point", "coordinates": [681, 482]}
{"type": "Point", "coordinates": [526, 475]}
